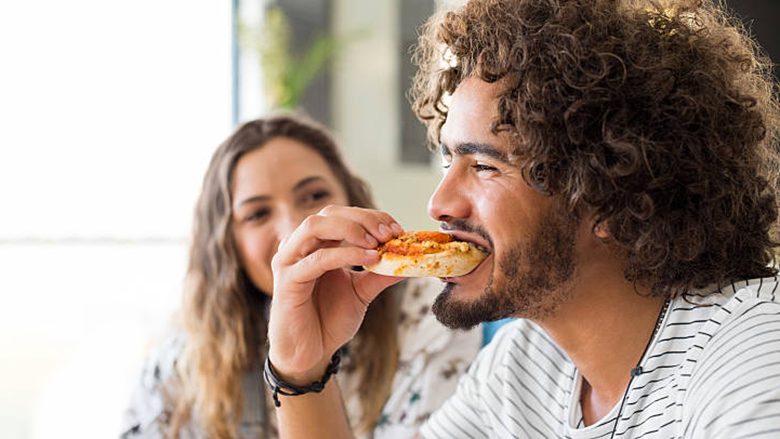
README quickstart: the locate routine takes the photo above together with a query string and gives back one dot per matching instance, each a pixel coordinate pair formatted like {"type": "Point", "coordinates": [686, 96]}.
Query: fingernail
{"type": "Point", "coordinates": [371, 253]}
{"type": "Point", "coordinates": [397, 228]}
{"type": "Point", "coordinates": [371, 241]}
{"type": "Point", "coordinates": [383, 230]}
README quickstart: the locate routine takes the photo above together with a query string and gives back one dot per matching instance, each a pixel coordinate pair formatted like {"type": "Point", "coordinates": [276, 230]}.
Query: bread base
{"type": "Point", "coordinates": [448, 263]}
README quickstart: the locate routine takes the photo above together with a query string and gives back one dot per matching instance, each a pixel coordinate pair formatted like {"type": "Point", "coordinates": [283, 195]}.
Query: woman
{"type": "Point", "coordinates": [207, 381]}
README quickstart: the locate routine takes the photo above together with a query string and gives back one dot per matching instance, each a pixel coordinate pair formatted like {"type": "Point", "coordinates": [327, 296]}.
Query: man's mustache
{"type": "Point", "coordinates": [465, 226]}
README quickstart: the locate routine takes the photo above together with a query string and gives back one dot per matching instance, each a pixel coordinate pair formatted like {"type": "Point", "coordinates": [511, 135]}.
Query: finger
{"type": "Point", "coordinates": [368, 285]}
{"type": "Point", "coordinates": [323, 260]}
{"type": "Point", "coordinates": [380, 224]}
{"type": "Point", "coordinates": [320, 231]}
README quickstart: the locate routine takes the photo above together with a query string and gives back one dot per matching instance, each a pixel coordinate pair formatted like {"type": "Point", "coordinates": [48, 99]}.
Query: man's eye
{"type": "Point", "coordinates": [479, 167]}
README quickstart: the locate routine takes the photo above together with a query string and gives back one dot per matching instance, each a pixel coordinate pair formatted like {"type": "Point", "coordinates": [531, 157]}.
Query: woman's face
{"type": "Point", "coordinates": [274, 188]}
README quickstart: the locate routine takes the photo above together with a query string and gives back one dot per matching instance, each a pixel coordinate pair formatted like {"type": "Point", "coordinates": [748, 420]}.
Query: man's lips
{"type": "Point", "coordinates": [474, 239]}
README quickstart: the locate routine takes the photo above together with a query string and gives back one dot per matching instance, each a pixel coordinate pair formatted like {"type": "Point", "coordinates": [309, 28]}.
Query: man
{"type": "Point", "coordinates": [618, 159]}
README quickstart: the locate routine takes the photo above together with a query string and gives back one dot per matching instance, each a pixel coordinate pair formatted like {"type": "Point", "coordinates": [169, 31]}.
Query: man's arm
{"type": "Point", "coordinates": [317, 306]}
{"type": "Point", "coordinates": [314, 415]}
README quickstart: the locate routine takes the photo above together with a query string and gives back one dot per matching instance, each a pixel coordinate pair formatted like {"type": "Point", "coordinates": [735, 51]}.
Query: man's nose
{"type": "Point", "coordinates": [447, 201]}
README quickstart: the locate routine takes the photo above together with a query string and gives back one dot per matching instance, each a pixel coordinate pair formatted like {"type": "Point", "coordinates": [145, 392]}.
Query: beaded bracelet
{"type": "Point", "coordinates": [279, 386]}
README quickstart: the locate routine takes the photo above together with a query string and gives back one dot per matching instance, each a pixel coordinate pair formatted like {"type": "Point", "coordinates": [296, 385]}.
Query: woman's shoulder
{"type": "Point", "coordinates": [160, 363]}
{"type": "Point", "coordinates": [421, 333]}
{"type": "Point", "coordinates": [432, 358]}
{"type": "Point", "coordinates": [148, 408]}
{"type": "Point", "coordinates": [417, 296]}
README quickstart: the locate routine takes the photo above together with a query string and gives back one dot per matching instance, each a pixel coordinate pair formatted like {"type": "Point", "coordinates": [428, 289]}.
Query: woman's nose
{"type": "Point", "coordinates": [287, 222]}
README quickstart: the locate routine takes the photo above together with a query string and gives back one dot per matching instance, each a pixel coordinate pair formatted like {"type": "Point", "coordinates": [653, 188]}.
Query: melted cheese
{"type": "Point", "coordinates": [423, 243]}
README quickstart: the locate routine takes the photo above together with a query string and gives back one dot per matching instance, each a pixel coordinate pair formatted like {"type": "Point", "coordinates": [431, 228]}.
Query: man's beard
{"type": "Point", "coordinates": [534, 277]}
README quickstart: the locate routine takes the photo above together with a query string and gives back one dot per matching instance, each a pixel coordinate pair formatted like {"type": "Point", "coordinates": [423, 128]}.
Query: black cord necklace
{"type": "Point", "coordinates": [637, 370]}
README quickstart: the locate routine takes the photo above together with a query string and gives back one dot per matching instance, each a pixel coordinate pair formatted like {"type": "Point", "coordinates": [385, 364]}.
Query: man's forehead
{"type": "Point", "coordinates": [472, 112]}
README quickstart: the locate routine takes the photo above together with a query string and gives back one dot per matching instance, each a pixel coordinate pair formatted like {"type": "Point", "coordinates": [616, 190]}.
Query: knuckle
{"type": "Point", "coordinates": [327, 210]}
{"type": "Point", "coordinates": [276, 262]}
{"type": "Point", "coordinates": [310, 222]}
{"type": "Point", "coordinates": [386, 217]}
{"type": "Point", "coordinates": [356, 230]}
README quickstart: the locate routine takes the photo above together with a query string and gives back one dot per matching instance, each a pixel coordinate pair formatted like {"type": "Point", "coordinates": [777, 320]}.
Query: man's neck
{"type": "Point", "coordinates": [604, 329]}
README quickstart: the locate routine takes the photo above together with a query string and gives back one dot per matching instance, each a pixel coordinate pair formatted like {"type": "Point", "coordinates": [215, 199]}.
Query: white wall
{"type": "Point", "coordinates": [110, 111]}
{"type": "Point", "coordinates": [366, 114]}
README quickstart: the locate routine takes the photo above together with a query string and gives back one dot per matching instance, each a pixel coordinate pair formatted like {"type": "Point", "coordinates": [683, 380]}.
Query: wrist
{"type": "Point", "coordinates": [297, 376]}
{"type": "Point", "coordinates": [298, 385]}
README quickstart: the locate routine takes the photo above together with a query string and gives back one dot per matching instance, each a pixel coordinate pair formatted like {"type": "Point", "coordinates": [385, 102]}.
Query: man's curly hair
{"type": "Point", "coordinates": [661, 119]}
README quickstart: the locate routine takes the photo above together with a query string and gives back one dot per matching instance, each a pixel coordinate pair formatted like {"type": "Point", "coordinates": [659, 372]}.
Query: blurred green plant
{"type": "Point", "coordinates": [287, 75]}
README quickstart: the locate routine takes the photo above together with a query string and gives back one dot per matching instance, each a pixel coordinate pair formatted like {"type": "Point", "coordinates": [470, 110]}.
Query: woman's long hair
{"type": "Point", "coordinates": [225, 315]}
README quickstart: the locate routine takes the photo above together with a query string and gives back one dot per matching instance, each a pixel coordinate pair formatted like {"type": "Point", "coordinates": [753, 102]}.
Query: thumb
{"type": "Point", "coordinates": [368, 285]}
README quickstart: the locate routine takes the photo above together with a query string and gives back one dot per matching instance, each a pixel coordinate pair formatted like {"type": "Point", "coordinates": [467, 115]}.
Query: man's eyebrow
{"type": "Point", "coordinates": [472, 148]}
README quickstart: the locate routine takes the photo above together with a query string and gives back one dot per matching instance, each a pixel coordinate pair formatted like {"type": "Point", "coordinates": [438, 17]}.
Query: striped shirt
{"type": "Point", "coordinates": [711, 371]}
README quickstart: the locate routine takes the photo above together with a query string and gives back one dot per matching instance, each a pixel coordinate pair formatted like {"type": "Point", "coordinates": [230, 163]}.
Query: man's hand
{"type": "Point", "coordinates": [318, 302]}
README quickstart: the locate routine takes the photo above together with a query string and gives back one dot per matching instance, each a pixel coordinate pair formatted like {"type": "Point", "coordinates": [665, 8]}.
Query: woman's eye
{"type": "Point", "coordinates": [258, 215]}
{"type": "Point", "coordinates": [316, 196]}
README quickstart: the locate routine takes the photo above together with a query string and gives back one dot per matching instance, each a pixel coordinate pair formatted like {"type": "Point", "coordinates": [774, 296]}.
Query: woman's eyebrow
{"type": "Point", "coordinates": [253, 199]}
{"type": "Point", "coordinates": [298, 186]}
{"type": "Point", "coordinates": [307, 181]}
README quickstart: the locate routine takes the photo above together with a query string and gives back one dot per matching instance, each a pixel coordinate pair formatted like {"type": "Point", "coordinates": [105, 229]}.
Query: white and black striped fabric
{"type": "Point", "coordinates": [712, 371]}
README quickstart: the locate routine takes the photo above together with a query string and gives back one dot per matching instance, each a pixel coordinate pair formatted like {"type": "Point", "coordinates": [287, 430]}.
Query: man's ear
{"type": "Point", "coordinates": [601, 230]}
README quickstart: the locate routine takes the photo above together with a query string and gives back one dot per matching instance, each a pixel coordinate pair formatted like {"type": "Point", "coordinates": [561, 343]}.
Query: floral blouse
{"type": "Point", "coordinates": [431, 359]}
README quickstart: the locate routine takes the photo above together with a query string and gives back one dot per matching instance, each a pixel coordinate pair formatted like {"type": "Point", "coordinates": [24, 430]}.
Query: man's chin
{"type": "Point", "coordinates": [457, 308]}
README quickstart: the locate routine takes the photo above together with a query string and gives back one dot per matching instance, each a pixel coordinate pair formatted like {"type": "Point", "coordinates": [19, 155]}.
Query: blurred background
{"type": "Point", "coordinates": [109, 112]}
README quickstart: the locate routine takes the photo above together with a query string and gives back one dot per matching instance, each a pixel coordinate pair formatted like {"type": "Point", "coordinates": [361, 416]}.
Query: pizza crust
{"type": "Point", "coordinates": [453, 259]}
